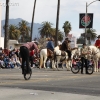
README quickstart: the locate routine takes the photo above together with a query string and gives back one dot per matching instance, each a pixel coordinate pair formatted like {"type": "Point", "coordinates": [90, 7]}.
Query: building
{"type": "Point", "coordinates": [1, 38]}
{"type": "Point", "coordinates": [73, 40]}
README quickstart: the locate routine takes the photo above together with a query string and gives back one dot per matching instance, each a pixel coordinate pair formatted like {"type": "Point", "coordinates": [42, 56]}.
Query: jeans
{"type": "Point", "coordinates": [84, 61]}
{"type": "Point", "coordinates": [24, 52]}
{"type": "Point", "coordinates": [69, 53]}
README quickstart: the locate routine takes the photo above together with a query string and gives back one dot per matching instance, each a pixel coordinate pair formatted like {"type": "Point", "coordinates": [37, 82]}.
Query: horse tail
{"type": "Point", "coordinates": [41, 59]}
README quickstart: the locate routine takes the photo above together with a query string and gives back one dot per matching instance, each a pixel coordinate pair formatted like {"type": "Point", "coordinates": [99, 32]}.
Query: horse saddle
{"type": "Point", "coordinates": [50, 53]}
{"type": "Point", "coordinates": [63, 53]}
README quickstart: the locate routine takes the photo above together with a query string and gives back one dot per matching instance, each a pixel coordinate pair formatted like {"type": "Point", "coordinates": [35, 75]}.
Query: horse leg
{"type": "Point", "coordinates": [58, 61]}
{"type": "Point", "coordinates": [66, 63]}
{"type": "Point", "coordinates": [97, 65]}
{"type": "Point", "coordinates": [45, 58]}
{"type": "Point", "coordinates": [41, 61]}
{"type": "Point", "coordinates": [94, 66]}
{"type": "Point", "coordinates": [70, 65]}
{"type": "Point", "coordinates": [53, 64]}
{"type": "Point", "coordinates": [68, 68]}
{"type": "Point", "coordinates": [63, 64]}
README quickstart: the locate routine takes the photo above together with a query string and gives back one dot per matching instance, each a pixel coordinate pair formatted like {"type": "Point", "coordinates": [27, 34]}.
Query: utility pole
{"type": "Point", "coordinates": [33, 19]}
{"type": "Point", "coordinates": [6, 38]}
{"type": "Point", "coordinates": [57, 22]}
{"type": "Point", "coordinates": [85, 37]}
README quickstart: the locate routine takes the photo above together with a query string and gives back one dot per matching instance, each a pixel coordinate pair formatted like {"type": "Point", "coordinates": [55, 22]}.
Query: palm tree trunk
{"type": "Point", "coordinates": [6, 39]}
{"type": "Point", "coordinates": [57, 22]}
{"type": "Point", "coordinates": [33, 19]}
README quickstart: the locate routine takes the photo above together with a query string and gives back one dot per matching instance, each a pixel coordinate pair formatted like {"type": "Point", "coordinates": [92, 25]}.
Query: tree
{"type": "Point", "coordinates": [25, 30]}
{"type": "Point", "coordinates": [60, 34]}
{"type": "Point", "coordinates": [46, 29]}
{"type": "Point", "coordinates": [80, 40]}
{"type": "Point", "coordinates": [67, 28]}
{"type": "Point", "coordinates": [91, 35]}
{"type": "Point", "coordinates": [6, 39]}
{"type": "Point", "coordinates": [14, 33]}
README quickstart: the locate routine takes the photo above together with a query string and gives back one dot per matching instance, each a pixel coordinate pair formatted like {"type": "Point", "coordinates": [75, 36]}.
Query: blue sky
{"type": "Point", "coordinates": [46, 11]}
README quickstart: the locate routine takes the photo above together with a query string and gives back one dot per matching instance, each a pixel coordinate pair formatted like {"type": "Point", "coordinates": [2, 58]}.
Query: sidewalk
{"type": "Point", "coordinates": [25, 94]}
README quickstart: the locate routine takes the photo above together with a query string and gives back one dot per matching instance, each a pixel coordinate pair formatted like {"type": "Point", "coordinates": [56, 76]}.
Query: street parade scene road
{"type": "Point", "coordinates": [46, 84]}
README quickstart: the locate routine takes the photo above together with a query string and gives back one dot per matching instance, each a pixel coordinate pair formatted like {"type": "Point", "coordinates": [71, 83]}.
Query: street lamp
{"type": "Point", "coordinates": [86, 19]}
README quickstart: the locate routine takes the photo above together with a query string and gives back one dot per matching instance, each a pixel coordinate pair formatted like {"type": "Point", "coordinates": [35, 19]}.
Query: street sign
{"type": "Point", "coordinates": [85, 19]}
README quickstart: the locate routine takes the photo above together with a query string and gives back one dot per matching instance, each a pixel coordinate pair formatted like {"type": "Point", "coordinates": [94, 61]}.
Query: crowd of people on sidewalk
{"type": "Point", "coordinates": [9, 58]}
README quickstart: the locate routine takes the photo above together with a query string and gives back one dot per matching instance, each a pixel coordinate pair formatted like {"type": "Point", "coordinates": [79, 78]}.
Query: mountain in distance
{"type": "Point", "coordinates": [16, 21]}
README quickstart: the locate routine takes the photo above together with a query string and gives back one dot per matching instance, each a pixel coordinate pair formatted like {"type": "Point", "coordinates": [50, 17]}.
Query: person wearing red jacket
{"type": "Point", "coordinates": [32, 57]}
{"type": "Point", "coordinates": [97, 43]}
{"type": "Point", "coordinates": [24, 52]}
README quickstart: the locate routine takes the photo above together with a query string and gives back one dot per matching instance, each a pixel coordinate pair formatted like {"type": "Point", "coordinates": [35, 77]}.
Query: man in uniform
{"type": "Point", "coordinates": [84, 52]}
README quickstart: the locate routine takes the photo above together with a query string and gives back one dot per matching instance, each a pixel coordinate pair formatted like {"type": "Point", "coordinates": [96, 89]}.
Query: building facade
{"type": "Point", "coordinates": [1, 38]}
{"type": "Point", "coordinates": [73, 40]}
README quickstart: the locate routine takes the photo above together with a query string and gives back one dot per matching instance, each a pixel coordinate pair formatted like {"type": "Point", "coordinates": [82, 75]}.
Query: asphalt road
{"type": "Point", "coordinates": [52, 81]}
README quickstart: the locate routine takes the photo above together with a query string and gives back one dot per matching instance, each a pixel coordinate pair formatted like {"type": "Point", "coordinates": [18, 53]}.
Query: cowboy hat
{"type": "Point", "coordinates": [98, 36]}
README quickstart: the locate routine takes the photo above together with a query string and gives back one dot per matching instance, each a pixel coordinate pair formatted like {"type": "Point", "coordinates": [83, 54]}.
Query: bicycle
{"type": "Point", "coordinates": [76, 67]}
{"type": "Point", "coordinates": [26, 75]}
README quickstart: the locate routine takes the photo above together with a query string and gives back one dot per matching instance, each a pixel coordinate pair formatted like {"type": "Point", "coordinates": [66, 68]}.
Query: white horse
{"type": "Point", "coordinates": [64, 58]}
{"type": "Point", "coordinates": [59, 57]}
{"type": "Point", "coordinates": [44, 56]}
{"type": "Point", "coordinates": [96, 57]}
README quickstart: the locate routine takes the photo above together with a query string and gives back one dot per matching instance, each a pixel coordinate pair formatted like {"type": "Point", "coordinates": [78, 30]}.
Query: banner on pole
{"type": "Point", "coordinates": [85, 19]}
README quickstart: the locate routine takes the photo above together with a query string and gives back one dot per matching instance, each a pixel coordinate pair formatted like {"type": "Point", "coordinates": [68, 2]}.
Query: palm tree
{"type": "Point", "coordinates": [24, 29]}
{"type": "Point", "coordinates": [60, 34]}
{"type": "Point", "coordinates": [91, 35]}
{"type": "Point", "coordinates": [14, 33]}
{"type": "Point", "coordinates": [67, 28]}
{"type": "Point", "coordinates": [6, 39]}
{"type": "Point", "coordinates": [80, 40]}
{"type": "Point", "coordinates": [46, 29]}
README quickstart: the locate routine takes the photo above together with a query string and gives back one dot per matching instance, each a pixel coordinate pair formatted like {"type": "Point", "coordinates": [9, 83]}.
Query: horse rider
{"type": "Point", "coordinates": [24, 52]}
{"type": "Point", "coordinates": [50, 46]}
{"type": "Point", "coordinates": [97, 43]}
{"type": "Point", "coordinates": [66, 47]}
{"type": "Point", "coordinates": [84, 53]}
